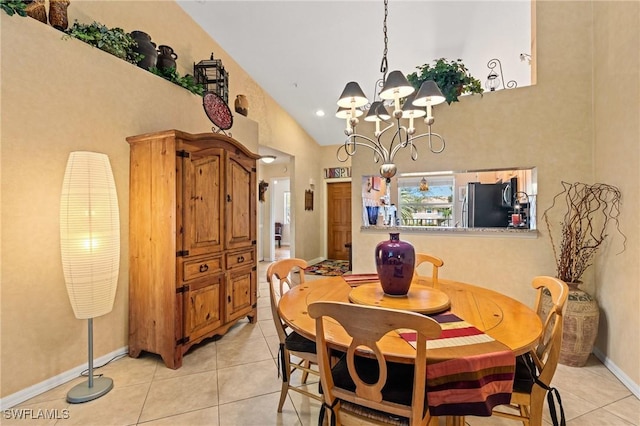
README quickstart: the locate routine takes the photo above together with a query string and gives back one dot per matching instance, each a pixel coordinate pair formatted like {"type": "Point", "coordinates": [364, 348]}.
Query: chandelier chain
{"type": "Point", "coordinates": [401, 136]}
{"type": "Point", "coordinates": [384, 64]}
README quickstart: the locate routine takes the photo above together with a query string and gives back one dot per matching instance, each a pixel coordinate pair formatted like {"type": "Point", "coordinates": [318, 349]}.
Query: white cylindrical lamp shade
{"type": "Point", "coordinates": [90, 234]}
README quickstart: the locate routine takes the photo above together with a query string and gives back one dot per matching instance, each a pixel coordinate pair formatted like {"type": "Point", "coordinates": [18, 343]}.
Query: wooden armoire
{"type": "Point", "coordinates": [192, 240]}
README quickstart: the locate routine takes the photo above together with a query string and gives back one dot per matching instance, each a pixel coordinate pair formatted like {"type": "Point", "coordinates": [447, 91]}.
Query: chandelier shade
{"type": "Point", "coordinates": [352, 96]}
{"type": "Point", "coordinates": [377, 112]}
{"type": "Point", "coordinates": [410, 110]}
{"type": "Point", "coordinates": [428, 94]}
{"type": "Point", "coordinates": [89, 234]}
{"type": "Point", "coordinates": [396, 86]}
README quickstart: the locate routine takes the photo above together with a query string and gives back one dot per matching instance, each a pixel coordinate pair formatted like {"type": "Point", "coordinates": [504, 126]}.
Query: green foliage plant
{"type": "Point", "coordinates": [112, 40]}
{"type": "Point", "coordinates": [12, 7]}
{"type": "Point", "coordinates": [187, 81]}
{"type": "Point", "coordinates": [451, 76]}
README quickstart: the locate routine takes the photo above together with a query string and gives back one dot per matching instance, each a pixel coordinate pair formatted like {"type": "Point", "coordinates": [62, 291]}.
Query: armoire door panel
{"type": "Point", "coordinates": [202, 307]}
{"type": "Point", "coordinates": [241, 293]}
{"type": "Point", "coordinates": [240, 204]}
{"type": "Point", "coordinates": [203, 218]}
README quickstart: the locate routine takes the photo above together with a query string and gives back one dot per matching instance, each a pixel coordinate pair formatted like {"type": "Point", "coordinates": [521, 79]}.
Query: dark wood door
{"type": "Point", "coordinates": [338, 220]}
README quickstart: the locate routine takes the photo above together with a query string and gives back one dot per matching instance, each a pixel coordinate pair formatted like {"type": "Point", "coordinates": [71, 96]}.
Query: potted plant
{"type": "Point", "coordinates": [112, 40]}
{"type": "Point", "coordinates": [587, 214]}
{"type": "Point", "coordinates": [187, 81]}
{"type": "Point", "coordinates": [12, 7]}
{"type": "Point", "coordinates": [451, 76]}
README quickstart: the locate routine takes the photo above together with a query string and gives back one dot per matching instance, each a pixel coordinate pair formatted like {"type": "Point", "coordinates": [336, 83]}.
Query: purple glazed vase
{"type": "Point", "coordinates": [395, 263]}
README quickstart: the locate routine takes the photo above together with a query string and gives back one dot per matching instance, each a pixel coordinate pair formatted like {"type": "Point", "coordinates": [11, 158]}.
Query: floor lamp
{"type": "Point", "coordinates": [90, 248]}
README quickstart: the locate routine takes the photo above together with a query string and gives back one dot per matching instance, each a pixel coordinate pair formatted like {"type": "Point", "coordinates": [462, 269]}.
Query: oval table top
{"type": "Point", "coordinates": [501, 317]}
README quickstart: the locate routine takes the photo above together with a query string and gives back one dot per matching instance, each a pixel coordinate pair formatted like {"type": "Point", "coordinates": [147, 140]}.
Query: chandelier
{"type": "Point", "coordinates": [398, 93]}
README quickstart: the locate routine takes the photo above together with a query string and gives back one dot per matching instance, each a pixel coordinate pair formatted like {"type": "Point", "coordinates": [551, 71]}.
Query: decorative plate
{"type": "Point", "coordinates": [217, 110]}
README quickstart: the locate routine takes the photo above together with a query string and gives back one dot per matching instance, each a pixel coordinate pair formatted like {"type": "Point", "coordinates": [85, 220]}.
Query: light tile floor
{"type": "Point", "coordinates": [233, 381]}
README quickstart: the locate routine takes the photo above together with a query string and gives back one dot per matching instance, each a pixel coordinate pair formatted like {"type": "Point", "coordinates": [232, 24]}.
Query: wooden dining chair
{"type": "Point", "coordinates": [278, 233]}
{"type": "Point", "coordinates": [528, 394]}
{"type": "Point", "coordinates": [436, 263]}
{"type": "Point", "coordinates": [292, 344]}
{"type": "Point", "coordinates": [368, 388]}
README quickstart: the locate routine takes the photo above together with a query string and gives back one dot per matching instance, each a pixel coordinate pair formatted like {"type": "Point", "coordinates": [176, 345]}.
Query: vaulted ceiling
{"type": "Point", "coordinates": [304, 52]}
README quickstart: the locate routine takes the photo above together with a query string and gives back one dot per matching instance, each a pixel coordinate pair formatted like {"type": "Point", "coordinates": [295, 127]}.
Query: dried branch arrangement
{"type": "Point", "coordinates": [589, 210]}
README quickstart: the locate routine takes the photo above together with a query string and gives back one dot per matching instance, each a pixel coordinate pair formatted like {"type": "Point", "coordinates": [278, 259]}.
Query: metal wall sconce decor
{"type": "Point", "coordinates": [212, 75]}
{"type": "Point", "coordinates": [308, 199]}
{"type": "Point", "coordinates": [495, 79]}
{"type": "Point", "coordinates": [262, 188]}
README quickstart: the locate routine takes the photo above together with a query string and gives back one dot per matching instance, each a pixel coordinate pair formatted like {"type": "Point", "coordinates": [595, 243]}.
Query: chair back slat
{"type": "Point", "coordinates": [547, 351]}
{"type": "Point", "coordinates": [366, 325]}
{"type": "Point", "coordinates": [436, 263]}
{"type": "Point", "coordinates": [279, 280]}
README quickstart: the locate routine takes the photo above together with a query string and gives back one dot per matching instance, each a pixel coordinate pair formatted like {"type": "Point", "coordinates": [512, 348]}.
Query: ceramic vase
{"type": "Point", "coordinates": [37, 10]}
{"type": "Point", "coordinates": [145, 47]}
{"type": "Point", "coordinates": [166, 57]}
{"type": "Point", "coordinates": [395, 263]}
{"type": "Point", "coordinates": [242, 105]}
{"type": "Point", "coordinates": [58, 17]}
{"type": "Point", "coordinates": [580, 327]}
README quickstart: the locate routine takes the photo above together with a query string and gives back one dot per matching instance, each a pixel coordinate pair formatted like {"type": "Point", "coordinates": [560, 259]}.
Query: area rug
{"type": "Point", "coordinates": [328, 268]}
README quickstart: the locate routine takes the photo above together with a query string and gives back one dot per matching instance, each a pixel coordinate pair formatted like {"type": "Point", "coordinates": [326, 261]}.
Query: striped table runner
{"type": "Point", "coordinates": [474, 383]}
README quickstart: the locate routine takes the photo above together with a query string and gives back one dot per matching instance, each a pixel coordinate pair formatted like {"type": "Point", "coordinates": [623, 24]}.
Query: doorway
{"type": "Point", "coordinates": [338, 220]}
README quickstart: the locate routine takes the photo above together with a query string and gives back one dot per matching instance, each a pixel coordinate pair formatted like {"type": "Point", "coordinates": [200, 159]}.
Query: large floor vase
{"type": "Point", "coordinates": [580, 326]}
{"type": "Point", "coordinates": [395, 263]}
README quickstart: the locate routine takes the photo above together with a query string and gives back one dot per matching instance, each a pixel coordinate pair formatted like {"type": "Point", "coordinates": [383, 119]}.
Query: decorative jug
{"type": "Point", "coordinates": [145, 47]}
{"type": "Point", "coordinates": [166, 57]}
{"type": "Point", "coordinates": [395, 264]}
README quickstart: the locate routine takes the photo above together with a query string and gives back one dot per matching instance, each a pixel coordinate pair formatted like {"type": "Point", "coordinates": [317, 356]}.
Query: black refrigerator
{"type": "Point", "coordinates": [486, 205]}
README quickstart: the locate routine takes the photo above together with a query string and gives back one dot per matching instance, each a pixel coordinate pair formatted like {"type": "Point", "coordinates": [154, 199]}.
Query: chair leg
{"type": "Point", "coordinates": [285, 381]}
{"type": "Point", "coordinates": [535, 415]}
{"type": "Point", "coordinates": [283, 395]}
{"type": "Point", "coordinates": [305, 374]}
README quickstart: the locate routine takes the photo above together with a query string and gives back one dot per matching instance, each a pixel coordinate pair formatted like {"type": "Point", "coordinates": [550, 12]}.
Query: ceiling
{"type": "Point", "coordinates": [304, 52]}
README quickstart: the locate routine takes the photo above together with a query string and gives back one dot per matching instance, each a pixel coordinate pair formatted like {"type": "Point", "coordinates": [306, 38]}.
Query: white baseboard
{"type": "Point", "coordinates": [62, 378]}
{"type": "Point", "coordinates": [633, 387]}
{"type": "Point", "coordinates": [316, 260]}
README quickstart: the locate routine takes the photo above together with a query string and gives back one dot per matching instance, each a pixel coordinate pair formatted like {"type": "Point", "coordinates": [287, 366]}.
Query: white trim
{"type": "Point", "coordinates": [626, 380]}
{"type": "Point", "coordinates": [316, 260]}
{"type": "Point", "coordinates": [62, 378]}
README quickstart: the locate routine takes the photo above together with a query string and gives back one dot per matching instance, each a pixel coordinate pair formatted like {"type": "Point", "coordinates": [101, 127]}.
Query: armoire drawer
{"type": "Point", "coordinates": [240, 258]}
{"type": "Point", "coordinates": [202, 267]}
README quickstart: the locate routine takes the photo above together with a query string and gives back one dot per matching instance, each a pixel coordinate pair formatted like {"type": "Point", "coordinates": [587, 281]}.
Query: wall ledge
{"type": "Point", "coordinates": [457, 232]}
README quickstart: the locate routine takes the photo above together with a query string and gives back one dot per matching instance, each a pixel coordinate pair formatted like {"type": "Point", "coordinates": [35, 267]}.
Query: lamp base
{"type": "Point", "coordinates": [83, 393]}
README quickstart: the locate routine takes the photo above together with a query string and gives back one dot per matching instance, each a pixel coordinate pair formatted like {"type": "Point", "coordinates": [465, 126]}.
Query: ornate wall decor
{"type": "Point", "coordinates": [308, 199]}
{"type": "Point", "coordinates": [262, 188]}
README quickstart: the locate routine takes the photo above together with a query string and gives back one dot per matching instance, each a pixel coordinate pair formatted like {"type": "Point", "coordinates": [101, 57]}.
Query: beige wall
{"type": "Point", "coordinates": [579, 123]}
{"type": "Point", "coordinates": [616, 105]}
{"type": "Point", "coordinates": [63, 95]}
{"type": "Point", "coordinates": [90, 100]}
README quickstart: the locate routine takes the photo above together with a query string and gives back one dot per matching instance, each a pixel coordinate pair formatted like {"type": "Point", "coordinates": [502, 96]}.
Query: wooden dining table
{"type": "Point", "coordinates": [499, 316]}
